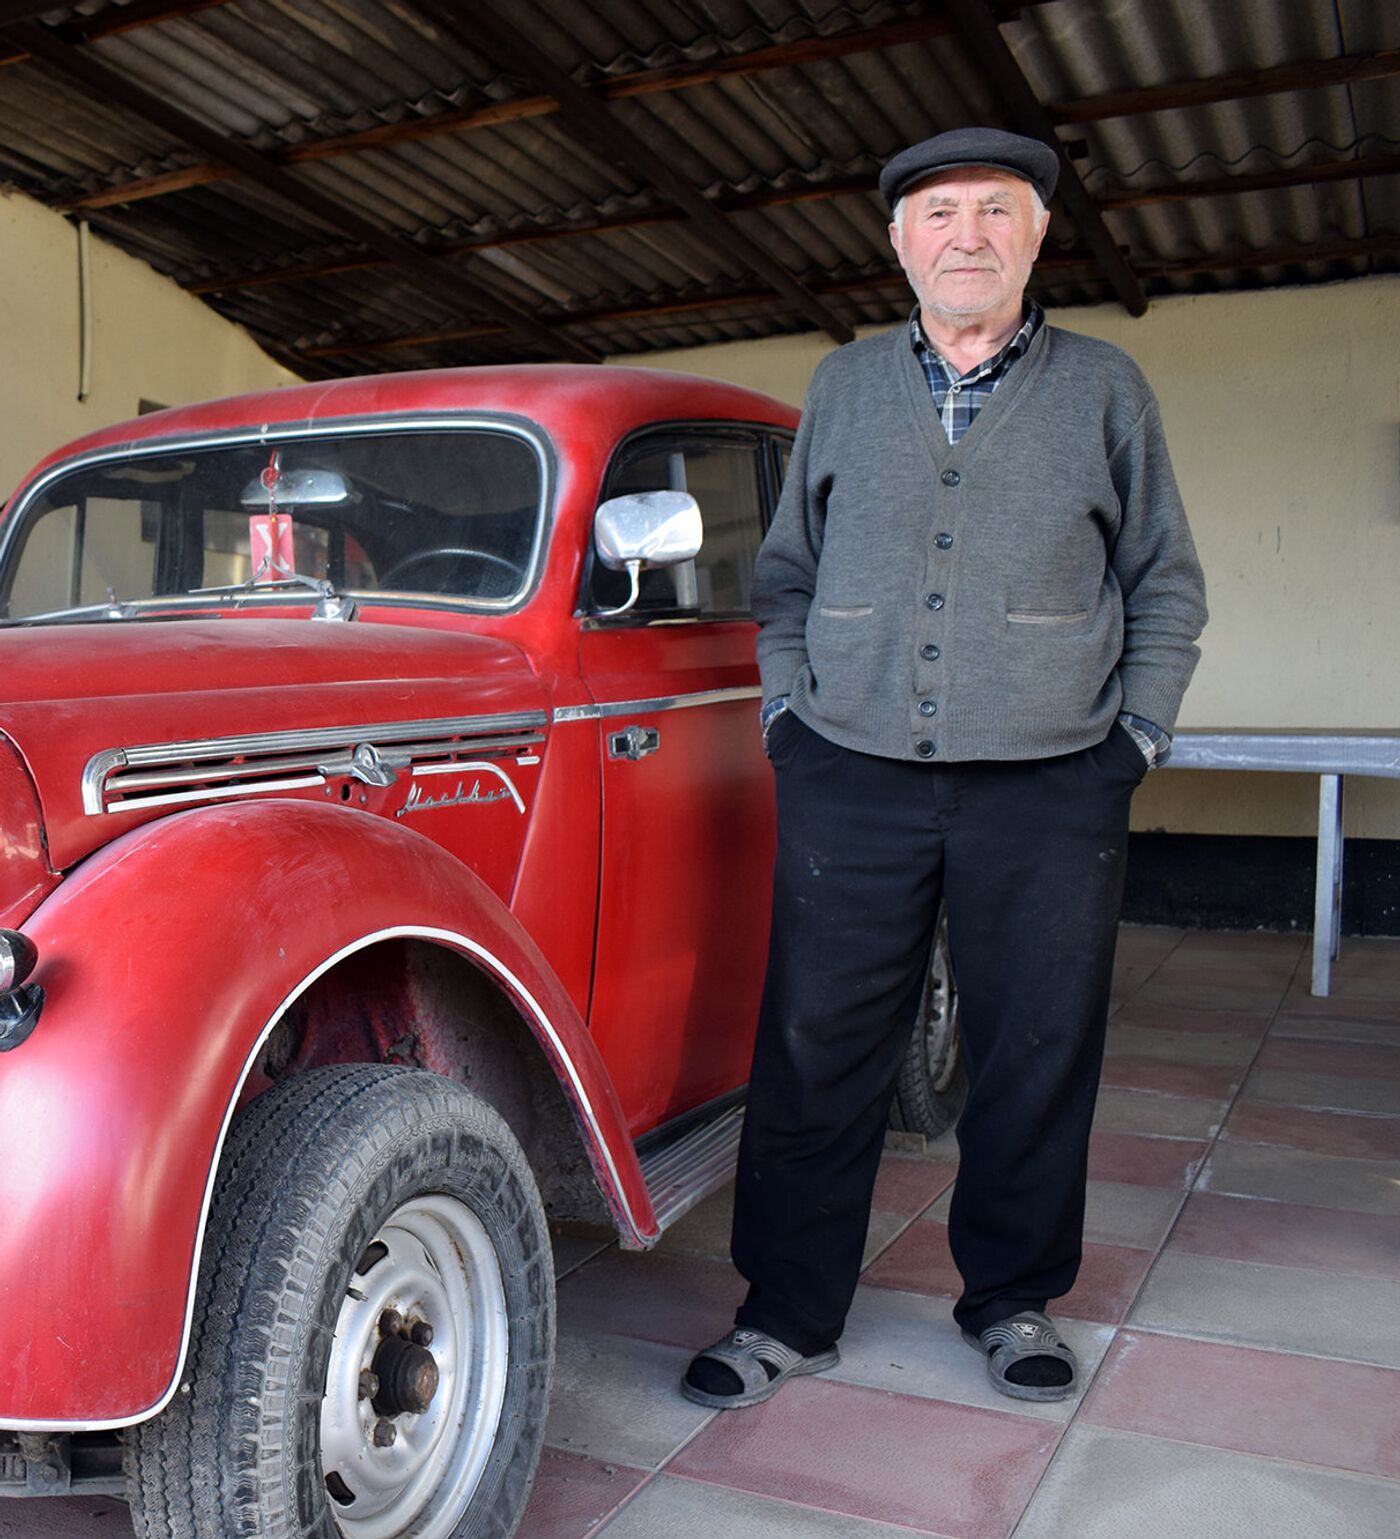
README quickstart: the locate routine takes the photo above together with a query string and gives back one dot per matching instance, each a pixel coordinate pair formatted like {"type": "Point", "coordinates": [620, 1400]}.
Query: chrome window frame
{"type": "Point", "coordinates": [530, 433]}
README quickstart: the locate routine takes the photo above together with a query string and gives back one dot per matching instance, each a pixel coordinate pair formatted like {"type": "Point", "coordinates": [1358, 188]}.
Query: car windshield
{"type": "Point", "coordinates": [444, 513]}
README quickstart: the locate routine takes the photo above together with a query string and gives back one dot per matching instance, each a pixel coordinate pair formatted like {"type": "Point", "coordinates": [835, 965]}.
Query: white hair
{"type": "Point", "coordinates": [1037, 208]}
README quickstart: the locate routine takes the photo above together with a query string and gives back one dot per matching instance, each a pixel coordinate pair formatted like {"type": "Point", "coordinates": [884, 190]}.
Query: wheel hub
{"type": "Point", "coordinates": [408, 1377]}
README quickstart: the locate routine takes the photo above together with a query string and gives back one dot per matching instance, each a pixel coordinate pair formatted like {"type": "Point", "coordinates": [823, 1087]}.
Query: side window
{"type": "Point", "coordinates": [723, 472]}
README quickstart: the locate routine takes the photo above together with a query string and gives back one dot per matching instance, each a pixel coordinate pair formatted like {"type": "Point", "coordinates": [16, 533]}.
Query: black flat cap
{"type": "Point", "coordinates": [1030, 159]}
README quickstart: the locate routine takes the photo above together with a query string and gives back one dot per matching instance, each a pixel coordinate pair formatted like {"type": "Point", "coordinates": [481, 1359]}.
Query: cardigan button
{"type": "Point", "coordinates": [928, 708]}
{"type": "Point", "coordinates": [929, 652]}
{"type": "Point", "coordinates": [951, 478]}
{"type": "Point", "coordinates": [934, 601]}
{"type": "Point", "coordinates": [943, 541]}
{"type": "Point", "coordinates": [924, 748]}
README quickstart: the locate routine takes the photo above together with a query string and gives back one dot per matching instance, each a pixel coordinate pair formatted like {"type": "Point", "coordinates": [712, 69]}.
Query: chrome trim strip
{"type": "Point", "coordinates": [395, 932]}
{"type": "Point", "coordinates": [330, 427]}
{"type": "Point", "coordinates": [218, 793]}
{"type": "Point", "coordinates": [609, 708]}
{"type": "Point", "coordinates": [309, 741]}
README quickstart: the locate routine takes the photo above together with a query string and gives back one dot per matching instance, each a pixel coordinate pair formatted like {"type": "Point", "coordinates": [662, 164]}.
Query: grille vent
{"type": "Point", "coordinates": [218, 769]}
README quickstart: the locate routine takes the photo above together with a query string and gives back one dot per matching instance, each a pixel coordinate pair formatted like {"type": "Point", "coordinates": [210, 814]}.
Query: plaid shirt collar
{"type": "Point", "coordinates": [959, 397]}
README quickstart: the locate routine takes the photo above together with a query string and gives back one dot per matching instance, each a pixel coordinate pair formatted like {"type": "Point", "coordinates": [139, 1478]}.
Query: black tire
{"type": "Point", "coordinates": [325, 1181]}
{"type": "Point", "coordinates": [932, 1086]}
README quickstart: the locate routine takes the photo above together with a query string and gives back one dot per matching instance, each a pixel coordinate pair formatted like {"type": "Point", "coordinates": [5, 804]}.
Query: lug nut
{"type": "Point", "coordinates": [422, 1334]}
{"type": "Point", "coordinates": [369, 1384]}
{"type": "Point", "coordinates": [390, 1323]}
{"type": "Point", "coordinates": [384, 1434]}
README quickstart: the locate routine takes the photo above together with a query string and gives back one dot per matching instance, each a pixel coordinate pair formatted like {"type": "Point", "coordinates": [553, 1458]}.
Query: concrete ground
{"type": "Point", "coordinates": [1237, 1316]}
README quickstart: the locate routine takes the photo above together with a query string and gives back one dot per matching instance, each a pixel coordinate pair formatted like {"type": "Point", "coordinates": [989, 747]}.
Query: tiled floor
{"type": "Point", "coordinates": [1238, 1313]}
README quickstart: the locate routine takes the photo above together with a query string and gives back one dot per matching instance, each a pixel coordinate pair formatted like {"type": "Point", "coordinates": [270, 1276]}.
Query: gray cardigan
{"type": "Point", "coordinates": [1003, 597]}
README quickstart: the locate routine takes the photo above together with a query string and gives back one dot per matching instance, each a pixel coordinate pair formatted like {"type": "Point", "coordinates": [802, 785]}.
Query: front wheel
{"type": "Point", "coordinates": [374, 1324]}
{"type": "Point", "coordinates": [932, 1086]}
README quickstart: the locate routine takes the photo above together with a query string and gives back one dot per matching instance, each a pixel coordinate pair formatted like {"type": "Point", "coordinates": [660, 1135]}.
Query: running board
{"type": "Point", "coordinates": [684, 1170]}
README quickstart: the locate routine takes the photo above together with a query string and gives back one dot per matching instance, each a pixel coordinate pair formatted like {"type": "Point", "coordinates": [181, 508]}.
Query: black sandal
{"type": "Point", "coordinates": [1023, 1337]}
{"type": "Point", "coordinates": [755, 1361]}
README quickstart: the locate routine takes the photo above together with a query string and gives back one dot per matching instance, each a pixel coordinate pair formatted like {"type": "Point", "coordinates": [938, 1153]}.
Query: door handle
{"type": "Point", "coordinates": [633, 742]}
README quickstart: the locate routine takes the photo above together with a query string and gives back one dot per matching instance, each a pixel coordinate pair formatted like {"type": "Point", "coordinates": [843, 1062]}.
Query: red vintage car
{"type": "Point", "coordinates": [385, 872]}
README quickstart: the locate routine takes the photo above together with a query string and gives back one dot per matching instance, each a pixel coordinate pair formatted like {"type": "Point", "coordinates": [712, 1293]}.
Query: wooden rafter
{"type": "Point", "coordinates": [984, 40]}
{"type": "Point", "coordinates": [1218, 88]}
{"type": "Point", "coordinates": [449, 282]}
{"type": "Point", "coordinates": [681, 305]}
{"type": "Point", "coordinates": [593, 121]}
{"type": "Point", "coordinates": [114, 21]}
{"type": "Point", "coordinates": [1277, 256]}
{"type": "Point", "coordinates": [1257, 181]}
{"type": "Point", "coordinates": [1165, 192]}
{"type": "Point", "coordinates": [680, 77]}
{"type": "Point", "coordinates": [1306, 75]}
{"type": "Point", "coordinates": [529, 237]}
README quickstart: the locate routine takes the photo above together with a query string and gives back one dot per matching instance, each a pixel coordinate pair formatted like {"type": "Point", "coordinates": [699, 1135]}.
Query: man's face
{"type": "Point", "coordinates": [966, 239]}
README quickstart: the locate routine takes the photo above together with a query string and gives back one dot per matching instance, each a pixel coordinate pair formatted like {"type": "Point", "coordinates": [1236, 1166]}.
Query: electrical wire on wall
{"type": "Point", "coordinates": [84, 309]}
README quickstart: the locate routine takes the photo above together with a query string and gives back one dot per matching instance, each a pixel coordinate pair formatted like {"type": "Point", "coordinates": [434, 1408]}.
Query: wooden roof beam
{"type": "Point", "coordinates": [113, 21]}
{"type": "Point", "coordinates": [983, 37]}
{"type": "Point", "coordinates": [1306, 75]}
{"type": "Point", "coordinates": [1259, 181]}
{"type": "Point", "coordinates": [1167, 192]}
{"type": "Point", "coordinates": [678, 77]}
{"type": "Point", "coordinates": [757, 61]}
{"type": "Point", "coordinates": [596, 126]}
{"type": "Point", "coordinates": [692, 304]}
{"type": "Point", "coordinates": [110, 86]}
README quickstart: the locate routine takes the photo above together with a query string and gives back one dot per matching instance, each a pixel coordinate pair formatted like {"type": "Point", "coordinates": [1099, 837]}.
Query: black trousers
{"type": "Point", "coordinates": [1030, 858]}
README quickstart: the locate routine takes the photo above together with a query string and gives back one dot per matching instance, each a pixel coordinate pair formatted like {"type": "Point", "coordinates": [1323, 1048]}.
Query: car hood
{"type": "Point", "coordinates": [73, 692]}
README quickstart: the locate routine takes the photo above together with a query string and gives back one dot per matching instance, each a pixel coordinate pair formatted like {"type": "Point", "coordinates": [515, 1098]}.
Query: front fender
{"type": "Point", "coordinates": [166, 959]}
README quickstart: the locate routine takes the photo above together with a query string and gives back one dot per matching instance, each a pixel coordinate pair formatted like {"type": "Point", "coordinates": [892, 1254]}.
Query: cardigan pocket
{"type": "Point", "coordinates": [1046, 616]}
{"type": "Point", "coordinates": [839, 637]}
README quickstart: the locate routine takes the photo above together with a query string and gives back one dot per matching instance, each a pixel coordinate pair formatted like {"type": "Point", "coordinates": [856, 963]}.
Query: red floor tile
{"type": "Point", "coordinates": [1226, 1022]}
{"type": "Point", "coordinates": [934, 1467]}
{"type": "Point", "coordinates": [1124, 1071]}
{"type": "Point", "coordinates": [907, 1187]}
{"type": "Point", "coordinates": [1356, 1060]}
{"type": "Point", "coordinates": [684, 1301]}
{"type": "Point", "coordinates": [1299, 1002]}
{"type": "Point", "coordinates": [1267, 973]}
{"type": "Point", "coordinates": [920, 1262]}
{"type": "Point", "coordinates": [1320, 1132]}
{"type": "Point", "coordinates": [1141, 1161]}
{"type": "Point", "coordinates": [572, 1495]}
{"type": "Point", "coordinates": [1342, 1415]}
{"type": "Point", "coordinates": [1198, 993]}
{"type": "Point", "coordinates": [1288, 1234]}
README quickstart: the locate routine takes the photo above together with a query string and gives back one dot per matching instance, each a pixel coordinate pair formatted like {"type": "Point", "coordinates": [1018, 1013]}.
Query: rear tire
{"type": "Point", "coordinates": [342, 1194]}
{"type": "Point", "coordinates": [932, 1086]}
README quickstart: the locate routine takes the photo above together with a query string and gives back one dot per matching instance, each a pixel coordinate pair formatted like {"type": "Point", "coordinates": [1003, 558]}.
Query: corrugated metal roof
{"type": "Point", "coordinates": [790, 150]}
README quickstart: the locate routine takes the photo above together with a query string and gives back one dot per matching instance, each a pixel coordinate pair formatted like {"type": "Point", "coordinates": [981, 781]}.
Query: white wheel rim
{"type": "Point", "coordinates": [938, 1025]}
{"type": "Point", "coordinates": [439, 1266]}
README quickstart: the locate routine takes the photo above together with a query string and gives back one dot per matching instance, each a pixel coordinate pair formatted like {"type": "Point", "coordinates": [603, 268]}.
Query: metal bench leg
{"type": "Point", "coordinates": [1327, 904]}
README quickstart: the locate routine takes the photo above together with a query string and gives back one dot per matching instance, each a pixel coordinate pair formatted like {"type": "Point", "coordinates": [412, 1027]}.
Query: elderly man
{"type": "Point", "coordinates": [979, 601]}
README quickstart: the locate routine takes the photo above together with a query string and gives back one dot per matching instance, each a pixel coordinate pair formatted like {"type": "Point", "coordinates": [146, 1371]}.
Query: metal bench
{"type": "Point", "coordinates": [1330, 756]}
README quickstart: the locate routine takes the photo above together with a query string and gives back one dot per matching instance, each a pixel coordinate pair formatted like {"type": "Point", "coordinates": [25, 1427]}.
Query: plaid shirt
{"type": "Point", "coordinates": [959, 397]}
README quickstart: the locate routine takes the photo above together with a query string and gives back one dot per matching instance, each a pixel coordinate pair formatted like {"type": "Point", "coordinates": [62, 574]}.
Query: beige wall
{"type": "Point", "coordinates": [1282, 410]}
{"type": "Point", "coordinates": [149, 339]}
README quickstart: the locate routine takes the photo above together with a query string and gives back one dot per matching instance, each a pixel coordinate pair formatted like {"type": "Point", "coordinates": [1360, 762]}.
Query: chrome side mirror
{"type": "Point", "coordinates": [646, 529]}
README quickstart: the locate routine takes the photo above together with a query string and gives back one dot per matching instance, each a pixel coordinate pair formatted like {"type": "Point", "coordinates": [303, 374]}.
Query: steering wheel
{"type": "Point", "coordinates": [446, 553]}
